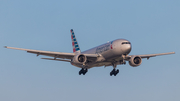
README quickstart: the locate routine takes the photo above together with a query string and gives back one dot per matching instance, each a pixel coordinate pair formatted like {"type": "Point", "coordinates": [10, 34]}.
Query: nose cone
{"type": "Point", "coordinates": [127, 48]}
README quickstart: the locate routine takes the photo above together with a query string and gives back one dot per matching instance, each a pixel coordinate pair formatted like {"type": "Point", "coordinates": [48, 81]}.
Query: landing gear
{"type": "Point", "coordinates": [114, 72]}
{"type": "Point", "coordinates": [122, 62]}
{"type": "Point", "coordinates": [83, 71]}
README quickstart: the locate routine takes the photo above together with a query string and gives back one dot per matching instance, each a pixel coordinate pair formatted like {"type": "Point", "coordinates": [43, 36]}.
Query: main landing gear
{"type": "Point", "coordinates": [83, 71]}
{"type": "Point", "coordinates": [114, 72]}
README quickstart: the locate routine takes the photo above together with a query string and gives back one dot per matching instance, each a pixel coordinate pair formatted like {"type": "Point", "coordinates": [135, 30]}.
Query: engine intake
{"type": "Point", "coordinates": [80, 59]}
{"type": "Point", "coordinates": [135, 61]}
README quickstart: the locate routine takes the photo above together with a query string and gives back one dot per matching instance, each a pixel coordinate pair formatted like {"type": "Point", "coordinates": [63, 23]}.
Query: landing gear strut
{"type": "Point", "coordinates": [114, 72]}
{"type": "Point", "coordinates": [83, 71]}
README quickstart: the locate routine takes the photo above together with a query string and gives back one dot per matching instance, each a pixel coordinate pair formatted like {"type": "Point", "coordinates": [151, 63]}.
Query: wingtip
{"type": "Point", "coordinates": [171, 52]}
{"type": "Point", "coordinates": [5, 46]}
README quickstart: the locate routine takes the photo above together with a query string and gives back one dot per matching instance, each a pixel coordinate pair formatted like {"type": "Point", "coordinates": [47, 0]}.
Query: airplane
{"type": "Point", "coordinates": [112, 53]}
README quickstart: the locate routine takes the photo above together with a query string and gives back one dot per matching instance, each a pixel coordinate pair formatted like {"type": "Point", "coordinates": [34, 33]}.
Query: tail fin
{"type": "Point", "coordinates": [75, 45]}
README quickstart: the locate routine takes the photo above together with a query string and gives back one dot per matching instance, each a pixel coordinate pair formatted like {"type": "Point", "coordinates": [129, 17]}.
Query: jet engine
{"type": "Point", "coordinates": [80, 59]}
{"type": "Point", "coordinates": [135, 61]}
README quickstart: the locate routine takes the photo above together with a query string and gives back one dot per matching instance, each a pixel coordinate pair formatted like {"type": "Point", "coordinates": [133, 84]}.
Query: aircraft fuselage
{"type": "Point", "coordinates": [113, 49]}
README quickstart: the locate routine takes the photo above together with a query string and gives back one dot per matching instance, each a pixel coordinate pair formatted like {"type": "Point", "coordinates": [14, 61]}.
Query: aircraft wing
{"type": "Point", "coordinates": [47, 53]}
{"type": "Point", "coordinates": [64, 56]}
{"type": "Point", "coordinates": [152, 55]}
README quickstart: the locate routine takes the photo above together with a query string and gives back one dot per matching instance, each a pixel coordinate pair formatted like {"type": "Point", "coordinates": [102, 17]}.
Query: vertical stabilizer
{"type": "Point", "coordinates": [75, 44]}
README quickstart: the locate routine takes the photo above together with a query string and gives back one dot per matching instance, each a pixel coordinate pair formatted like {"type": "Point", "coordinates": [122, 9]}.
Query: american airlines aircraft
{"type": "Point", "coordinates": [112, 53]}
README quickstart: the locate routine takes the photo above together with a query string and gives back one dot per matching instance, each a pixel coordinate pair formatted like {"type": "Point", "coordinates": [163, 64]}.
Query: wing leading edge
{"type": "Point", "coordinates": [46, 53]}
{"type": "Point", "coordinates": [64, 56]}
{"type": "Point", "coordinates": [152, 55]}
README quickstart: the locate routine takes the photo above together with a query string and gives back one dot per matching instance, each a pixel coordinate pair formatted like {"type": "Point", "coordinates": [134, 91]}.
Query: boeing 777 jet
{"type": "Point", "coordinates": [112, 53]}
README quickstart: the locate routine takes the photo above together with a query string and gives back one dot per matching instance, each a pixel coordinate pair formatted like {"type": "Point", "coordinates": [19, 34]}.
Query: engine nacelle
{"type": "Point", "coordinates": [80, 59]}
{"type": "Point", "coordinates": [135, 61]}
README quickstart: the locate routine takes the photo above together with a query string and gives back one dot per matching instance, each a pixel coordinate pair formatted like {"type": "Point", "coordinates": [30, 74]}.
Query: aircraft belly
{"type": "Point", "coordinates": [108, 54]}
{"type": "Point", "coordinates": [100, 64]}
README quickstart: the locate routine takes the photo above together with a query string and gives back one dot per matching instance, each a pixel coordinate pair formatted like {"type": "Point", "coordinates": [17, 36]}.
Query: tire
{"type": "Point", "coordinates": [117, 71]}
{"type": "Point", "coordinates": [80, 72]}
{"type": "Point", "coordinates": [110, 73]}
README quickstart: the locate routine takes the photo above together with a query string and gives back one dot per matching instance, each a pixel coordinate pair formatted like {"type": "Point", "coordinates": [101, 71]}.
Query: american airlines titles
{"type": "Point", "coordinates": [103, 48]}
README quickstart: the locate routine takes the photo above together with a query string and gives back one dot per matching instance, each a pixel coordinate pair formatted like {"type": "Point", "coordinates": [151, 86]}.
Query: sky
{"type": "Point", "coordinates": [152, 26]}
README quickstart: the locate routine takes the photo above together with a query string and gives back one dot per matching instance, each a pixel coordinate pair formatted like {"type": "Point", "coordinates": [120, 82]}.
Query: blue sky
{"type": "Point", "coordinates": [152, 26]}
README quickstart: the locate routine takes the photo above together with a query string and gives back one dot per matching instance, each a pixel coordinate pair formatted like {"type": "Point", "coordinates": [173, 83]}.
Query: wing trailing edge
{"type": "Point", "coordinates": [56, 59]}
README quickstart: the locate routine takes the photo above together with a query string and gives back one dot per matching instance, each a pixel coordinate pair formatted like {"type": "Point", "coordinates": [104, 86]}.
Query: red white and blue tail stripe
{"type": "Point", "coordinates": [74, 42]}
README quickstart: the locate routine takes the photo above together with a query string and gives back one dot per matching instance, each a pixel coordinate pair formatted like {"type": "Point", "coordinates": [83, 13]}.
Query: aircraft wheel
{"type": "Point", "coordinates": [79, 72]}
{"type": "Point", "coordinates": [86, 70]}
{"type": "Point", "coordinates": [83, 71]}
{"type": "Point", "coordinates": [111, 73]}
{"type": "Point", "coordinates": [114, 72]}
{"type": "Point", "coordinates": [117, 71]}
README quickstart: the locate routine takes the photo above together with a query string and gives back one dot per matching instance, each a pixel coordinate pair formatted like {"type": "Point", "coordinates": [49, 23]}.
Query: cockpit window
{"type": "Point", "coordinates": [126, 43]}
